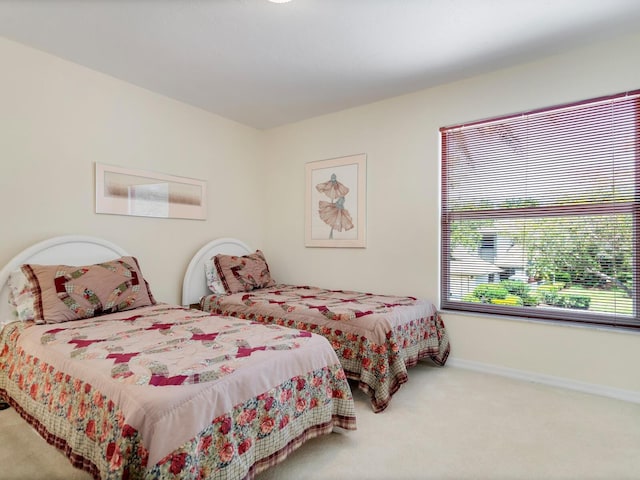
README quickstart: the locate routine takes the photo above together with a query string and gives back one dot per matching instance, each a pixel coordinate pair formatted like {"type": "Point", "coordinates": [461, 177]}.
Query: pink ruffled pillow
{"type": "Point", "coordinates": [64, 292]}
{"type": "Point", "coordinates": [243, 274]}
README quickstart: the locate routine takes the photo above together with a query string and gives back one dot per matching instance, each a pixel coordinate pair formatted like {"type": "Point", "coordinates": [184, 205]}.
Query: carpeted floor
{"type": "Point", "coordinates": [446, 423]}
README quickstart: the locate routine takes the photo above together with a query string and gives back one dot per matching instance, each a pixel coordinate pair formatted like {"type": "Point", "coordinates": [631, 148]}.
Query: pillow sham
{"type": "Point", "coordinates": [243, 274]}
{"type": "Point", "coordinates": [213, 280]}
{"type": "Point", "coordinates": [62, 292]}
{"type": "Point", "coordinates": [21, 297]}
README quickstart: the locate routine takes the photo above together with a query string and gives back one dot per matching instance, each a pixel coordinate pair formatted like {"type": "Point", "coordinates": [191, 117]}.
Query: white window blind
{"type": "Point", "coordinates": [540, 213]}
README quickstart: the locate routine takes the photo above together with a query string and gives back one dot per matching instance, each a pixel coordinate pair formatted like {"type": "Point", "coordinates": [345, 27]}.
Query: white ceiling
{"type": "Point", "coordinates": [265, 64]}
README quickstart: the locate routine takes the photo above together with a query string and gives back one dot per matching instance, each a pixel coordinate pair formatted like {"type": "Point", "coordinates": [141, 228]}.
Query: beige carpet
{"type": "Point", "coordinates": [446, 423]}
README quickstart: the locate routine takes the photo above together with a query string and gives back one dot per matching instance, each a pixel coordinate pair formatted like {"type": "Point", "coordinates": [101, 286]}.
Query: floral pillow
{"type": "Point", "coordinates": [21, 297]}
{"type": "Point", "coordinates": [243, 274]}
{"type": "Point", "coordinates": [213, 281]}
{"type": "Point", "coordinates": [62, 292]}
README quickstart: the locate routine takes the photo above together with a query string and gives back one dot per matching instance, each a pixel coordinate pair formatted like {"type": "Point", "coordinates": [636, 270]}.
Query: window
{"type": "Point", "coordinates": [540, 213]}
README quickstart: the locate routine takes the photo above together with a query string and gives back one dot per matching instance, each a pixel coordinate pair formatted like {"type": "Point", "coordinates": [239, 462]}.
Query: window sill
{"type": "Point", "coordinates": [585, 326]}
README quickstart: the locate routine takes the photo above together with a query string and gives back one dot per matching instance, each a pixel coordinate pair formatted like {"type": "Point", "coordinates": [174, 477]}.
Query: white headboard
{"type": "Point", "coordinates": [64, 250]}
{"type": "Point", "coordinates": [194, 286]}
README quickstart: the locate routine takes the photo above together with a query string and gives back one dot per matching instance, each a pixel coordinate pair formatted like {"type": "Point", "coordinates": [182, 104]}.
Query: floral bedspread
{"type": "Point", "coordinates": [376, 337]}
{"type": "Point", "coordinates": [166, 392]}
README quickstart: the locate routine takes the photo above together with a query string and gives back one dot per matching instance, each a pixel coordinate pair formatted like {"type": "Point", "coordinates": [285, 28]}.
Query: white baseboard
{"type": "Point", "coordinates": [592, 388]}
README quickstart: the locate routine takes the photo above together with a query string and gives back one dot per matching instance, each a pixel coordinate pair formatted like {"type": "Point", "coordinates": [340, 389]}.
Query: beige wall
{"type": "Point", "coordinates": [57, 119]}
{"type": "Point", "coordinates": [401, 140]}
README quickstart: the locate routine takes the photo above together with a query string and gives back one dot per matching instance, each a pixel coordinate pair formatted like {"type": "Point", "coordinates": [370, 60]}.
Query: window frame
{"type": "Point", "coordinates": [556, 314]}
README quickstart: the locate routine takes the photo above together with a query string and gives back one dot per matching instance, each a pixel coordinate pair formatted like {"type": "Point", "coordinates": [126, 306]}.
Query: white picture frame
{"type": "Point", "coordinates": [335, 204]}
{"type": "Point", "coordinates": [125, 191]}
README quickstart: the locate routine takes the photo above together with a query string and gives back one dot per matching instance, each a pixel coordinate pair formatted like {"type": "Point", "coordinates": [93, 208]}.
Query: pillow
{"type": "Point", "coordinates": [213, 281]}
{"type": "Point", "coordinates": [243, 274]}
{"type": "Point", "coordinates": [21, 296]}
{"type": "Point", "coordinates": [64, 292]}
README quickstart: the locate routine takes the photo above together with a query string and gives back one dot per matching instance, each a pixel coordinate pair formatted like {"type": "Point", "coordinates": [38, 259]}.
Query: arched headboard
{"type": "Point", "coordinates": [63, 250]}
{"type": "Point", "coordinates": [194, 285]}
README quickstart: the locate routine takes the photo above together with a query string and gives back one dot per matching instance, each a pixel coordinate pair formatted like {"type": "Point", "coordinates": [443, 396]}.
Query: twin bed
{"type": "Point", "coordinates": [128, 387]}
{"type": "Point", "coordinates": [376, 337]}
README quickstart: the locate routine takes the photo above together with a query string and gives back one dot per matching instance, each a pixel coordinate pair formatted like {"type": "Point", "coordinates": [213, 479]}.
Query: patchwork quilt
{"type": "Point", "coordinates": [164, 392]}
{"type": "Point", "coordinates": [376, 337]}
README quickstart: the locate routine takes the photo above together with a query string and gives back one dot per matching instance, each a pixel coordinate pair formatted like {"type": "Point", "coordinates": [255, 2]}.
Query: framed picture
{"type": "Point", "coordinates": [335, 202]}
{"type": "Point", "coordinates": [123, 191]}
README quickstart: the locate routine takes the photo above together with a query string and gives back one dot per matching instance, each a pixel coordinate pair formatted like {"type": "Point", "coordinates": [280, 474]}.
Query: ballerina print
{"type": "Point", "coordinates": [333, 213]}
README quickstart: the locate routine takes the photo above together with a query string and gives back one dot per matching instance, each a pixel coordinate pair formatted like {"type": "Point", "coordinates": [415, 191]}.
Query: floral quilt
{"type": "Point", "coordinates": [166, 392]}
{"type": "Point", "coordinates": [376, 337]}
